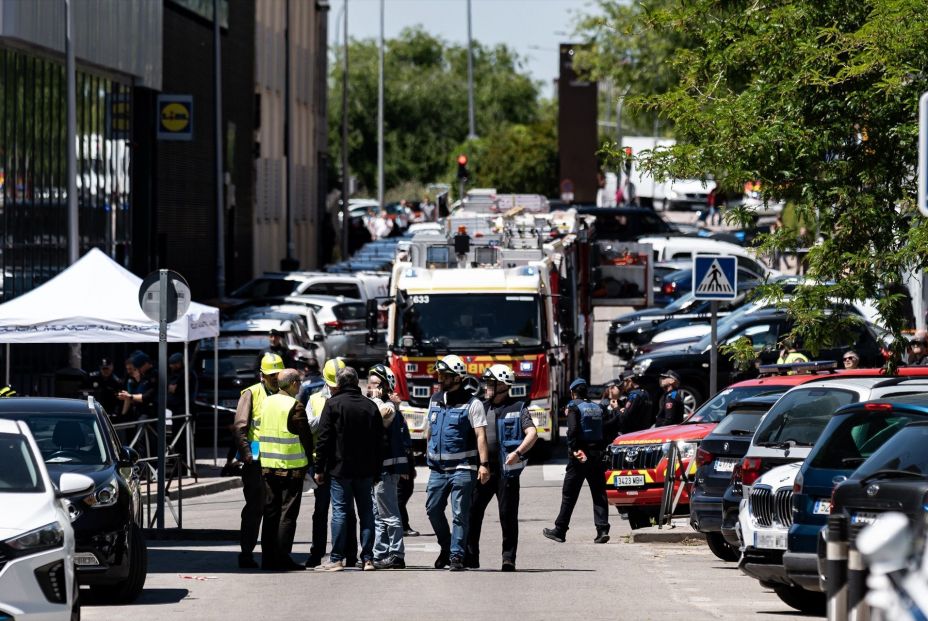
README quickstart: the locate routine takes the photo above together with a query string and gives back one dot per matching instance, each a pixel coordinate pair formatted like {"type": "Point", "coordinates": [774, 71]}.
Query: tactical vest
{"type": "Point", "coordinates": [396, 460]}
{"type": "Point", "coordinates": [509, 436]}
{"type": "Point", "coordinates": [258, 395]}
{"type": "Point", "coordinates": [280, 448]}
{"type": "Point", "coordinates": [452, 441]}
{"type": "Point", "coordinates": [591, 421]}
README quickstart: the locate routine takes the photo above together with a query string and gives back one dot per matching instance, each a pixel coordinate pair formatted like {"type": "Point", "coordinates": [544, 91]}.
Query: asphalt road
{"type": "Point", "coordinates": [578, 579]}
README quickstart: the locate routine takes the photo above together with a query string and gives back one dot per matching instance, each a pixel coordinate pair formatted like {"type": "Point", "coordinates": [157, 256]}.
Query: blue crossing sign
{"type": "Point", "coordinates": [715, 277]}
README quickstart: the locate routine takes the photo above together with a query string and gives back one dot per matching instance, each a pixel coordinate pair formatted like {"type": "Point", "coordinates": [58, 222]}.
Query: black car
{"type": "Point", "coordinates": [76, 436]}
{"type": "Point", "coordinates": [679, 283]}
{"type": "Point", "coordinates": [716, 458]}
{"type": "Point", "coordinates": [764, 327]}
{"type": "Point", "coordinates": [626, 223]}
{"type": "Point", "coordinates": [894, 478]}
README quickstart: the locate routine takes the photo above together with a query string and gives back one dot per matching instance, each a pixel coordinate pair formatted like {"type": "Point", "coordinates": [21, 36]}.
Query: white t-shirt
{"type": "Point", "coordinates": [478, 418]}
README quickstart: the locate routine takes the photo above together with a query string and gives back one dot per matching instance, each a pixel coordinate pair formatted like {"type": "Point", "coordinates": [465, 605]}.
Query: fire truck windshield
{"type": "Point", "coordinates": [471, 321]}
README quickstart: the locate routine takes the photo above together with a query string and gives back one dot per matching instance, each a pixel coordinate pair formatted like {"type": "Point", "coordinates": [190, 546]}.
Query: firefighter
{"type": "Point", "coordinates": [670, 409]}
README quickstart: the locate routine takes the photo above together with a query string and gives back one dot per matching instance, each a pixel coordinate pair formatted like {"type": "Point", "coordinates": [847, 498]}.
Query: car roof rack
{"type": "Point", "coordinates": [798, 368]}
{"type": "Point", "coordinates": [901, 379]}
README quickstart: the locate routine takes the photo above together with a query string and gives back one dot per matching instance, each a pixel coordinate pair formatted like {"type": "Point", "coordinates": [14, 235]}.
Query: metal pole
{"type": "Point", "coordinates": [7, 382]}
{"type": "Point", "coordinates": [857, 607]}
{"type": "Point", "coordinates": [714, 351]}
{"type": "Point", "coordinates": [74, 248]}
{"type": "Point", "coordinates": [220, 200]}
{"type": "Point", "coordinates": [162, 389]}
{"type": "Point", "coordinates": [287, 263]}
{"type": "Point", "coordinates": [191, 425]}
{"type": "Point", "coordinates": [216, 400]}
{"type": "Point", "coordinates": [836, 566]}
{"type": "Point", "coordinates": [345, 136]}
{"type": "Point", "coordinates": [472, 127]}
{"type": "Point", "coordinates": [380, 105]}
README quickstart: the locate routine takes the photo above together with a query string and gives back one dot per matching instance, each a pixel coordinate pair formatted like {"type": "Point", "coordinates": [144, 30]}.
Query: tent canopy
{"type": "Point", "coordinates": [95, 300]}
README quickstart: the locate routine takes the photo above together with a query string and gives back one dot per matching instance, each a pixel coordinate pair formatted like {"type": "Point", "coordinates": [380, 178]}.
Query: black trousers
{"type": "Point", "coordinates": [404, 490]}
{"type": "Point", "coordinates": [253, 511]}
{"type": "Point", "coordinates": [593, 471]}
{"type": "Point", "coordinates": [322, 497]}
{"type": "Point", "coordinates": [506, 491]}
{"type": "Point", "coordinates": [282, 498]}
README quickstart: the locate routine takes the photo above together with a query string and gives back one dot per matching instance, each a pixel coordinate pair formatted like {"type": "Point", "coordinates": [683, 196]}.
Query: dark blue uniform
{"type": "Point", "coordinates": [670, 409]}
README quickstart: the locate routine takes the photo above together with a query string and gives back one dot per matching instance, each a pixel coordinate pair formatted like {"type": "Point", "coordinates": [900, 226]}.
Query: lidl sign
{"type": "Point", "coordinates": [175, 117]}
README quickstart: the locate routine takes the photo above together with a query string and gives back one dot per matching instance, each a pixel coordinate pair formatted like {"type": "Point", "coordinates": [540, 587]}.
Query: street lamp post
{"type": "Point", "coordinates": [472, 126]}
{"type": "Point", "coordinates": [74, 249]}
{"type": "Point", "coordinates": [345, 136]}
{"type": "Point", "coordinates": [380, 106]}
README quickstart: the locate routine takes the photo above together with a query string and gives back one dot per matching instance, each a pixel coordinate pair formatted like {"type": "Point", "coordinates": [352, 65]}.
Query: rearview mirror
{"type": "Point", "coordinates": [128, 457]}
{"type": "Point", "coordinates": [73, 484]}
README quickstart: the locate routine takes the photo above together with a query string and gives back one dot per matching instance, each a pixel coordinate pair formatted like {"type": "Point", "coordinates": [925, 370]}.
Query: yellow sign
{"type": "Point", "coordinates": [175, 117]}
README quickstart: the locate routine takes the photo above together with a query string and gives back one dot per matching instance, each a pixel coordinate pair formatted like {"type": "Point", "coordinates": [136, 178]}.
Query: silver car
{"type": "Point", "coordinates": [344, 321]}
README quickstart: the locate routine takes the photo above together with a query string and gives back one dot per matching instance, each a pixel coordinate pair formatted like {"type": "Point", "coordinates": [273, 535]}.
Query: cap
{"type": "Point", "coordinates": [577, 383]}
{"type": "Point", "coordinates": [271, 364]}
{"type": "Point", "coordinates": [275, 332]}
{"type": "Point", "coordinates": [176, 358]}
{"type": "Point", "coordinates": [105, 362]}
{"type": "Point", "coordinates": [139, 358]}
{"type": "Point", "coordinates": [672, 375]}
{"type": "Point", "coordinates": [629, 375]}
{"type": "Point", "coordinates": [330, 369]}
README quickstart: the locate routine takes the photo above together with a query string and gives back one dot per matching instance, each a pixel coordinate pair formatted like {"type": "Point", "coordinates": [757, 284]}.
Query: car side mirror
{"type": "Point", "coordinates": [128, 457]}
{"type": "Point", "coordinates": [73, 484]}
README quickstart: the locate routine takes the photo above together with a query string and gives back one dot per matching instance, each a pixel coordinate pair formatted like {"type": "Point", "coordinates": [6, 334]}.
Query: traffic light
{"type": "Point", "coordinates": [628, 160]}
{"type": "Point", "coordinates": [462, 167]}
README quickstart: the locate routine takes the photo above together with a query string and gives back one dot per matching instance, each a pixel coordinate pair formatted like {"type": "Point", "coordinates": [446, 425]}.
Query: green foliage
{"type": "Point", "coordinates": [425, 111]}
{"type": "Point", "coordinates": [818, 101]}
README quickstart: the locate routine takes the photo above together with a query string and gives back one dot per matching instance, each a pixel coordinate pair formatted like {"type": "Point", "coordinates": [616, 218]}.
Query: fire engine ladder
{"type": "Point", "coordinates": [675, 472]}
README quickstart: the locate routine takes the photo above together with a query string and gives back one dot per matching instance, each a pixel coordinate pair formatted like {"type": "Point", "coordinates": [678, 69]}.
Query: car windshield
{"type": "Point", "coordinates": [713, 410]}
{"type": "Point", "coordinates": [905, 451]}
{"type": "Point", "coordinates": [266, 288]}
{"type": "Point", "coordinates": [233, 363]}
{"type": "Point", "coordinates": [738, 422]}
{"type": "Point", "coordinates": [20, 473]}
{"type": "Point", "coordinates": [858, 436]}
{"type": "Point", "coordinates": [68, 439]}
{"type": "Point", "coordinates": [729, 323]}
{"type": "Point", "coordinates": [801, 415]}
{"type": "Point", "coordinates": [472, 321]}
{"type": "Point", "coordinates": [681, 303]}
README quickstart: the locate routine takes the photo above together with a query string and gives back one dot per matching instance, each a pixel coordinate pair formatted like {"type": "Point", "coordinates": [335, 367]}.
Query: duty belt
{"type": "Point", "coordinates": [294, 473]}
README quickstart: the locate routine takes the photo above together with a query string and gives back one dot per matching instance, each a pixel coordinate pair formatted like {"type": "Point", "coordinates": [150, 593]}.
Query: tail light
{"type": "Point", "coordinates": [750, 470]}
{"type": "Point", "coordinates": [879, 407]}
{"type": "Point", "coordinates": [332, 326]}
{"type": "Point", "coordinates": [703, 457]}
{"type": "Point", "coordinates": [736, 479]}
{"type": "Point", "coordinates": [669, 288]}
{"type": "Point", "coordinates": [797, 484]}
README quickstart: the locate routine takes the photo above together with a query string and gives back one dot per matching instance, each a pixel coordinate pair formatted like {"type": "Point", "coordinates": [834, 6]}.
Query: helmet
{"type": "Point", "coordinates": [500, 373]}
{"type": "Point", "coordinates": [330, 369]}
{"type": "Point", "coordinates": [271, 364]}
{"type": "Point", "coordinates": [578, 383]}
{"type": "Point", "coordinates": [386, 375]}
{"type": "Point", "coordinates": [451, 364]}
{"type": "Point", "coordinates": [471, 385]}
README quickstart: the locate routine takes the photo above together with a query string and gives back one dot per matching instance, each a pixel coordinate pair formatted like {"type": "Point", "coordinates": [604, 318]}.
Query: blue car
{"type": "Point", "coordinates": [854, 433]}
{"type": "Point", "coordinates": [680, 282]}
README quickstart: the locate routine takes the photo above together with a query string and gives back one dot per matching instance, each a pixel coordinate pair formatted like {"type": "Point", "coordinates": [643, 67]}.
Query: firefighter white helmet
{"type": "Point", "coordinates": [500, 373]}
{"type": "Point", "coordinates": [451, 364]}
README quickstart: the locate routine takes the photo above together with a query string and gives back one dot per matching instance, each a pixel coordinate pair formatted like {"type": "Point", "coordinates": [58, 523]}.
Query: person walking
{"type": "Point", "coordinates": [389, 549]}
{"type": "Point", "coordinates": [322, 495]}
{"type": "Point", "coordinates": [585, 444]}
{"type": "Point", "coordinates": [349, 456]}
{"type": "Point", "coordinates": [670, 408]}
{"type": "Point", "coordinates": [511, 434]}
{"type": "Point", "coordinates": [285, 443]}
{"type": "Point", "coordinates": [455, 435]}
{"type": "Point", "coordinates": [247, 426]}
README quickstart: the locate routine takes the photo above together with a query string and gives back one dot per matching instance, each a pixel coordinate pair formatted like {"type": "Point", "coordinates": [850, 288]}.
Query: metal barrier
{"type": "Point", "coordinates": [669, 500]}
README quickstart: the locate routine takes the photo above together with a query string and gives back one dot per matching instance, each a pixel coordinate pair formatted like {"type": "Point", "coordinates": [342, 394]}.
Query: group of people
{"type": "Point", "coordinates": [135, 396]}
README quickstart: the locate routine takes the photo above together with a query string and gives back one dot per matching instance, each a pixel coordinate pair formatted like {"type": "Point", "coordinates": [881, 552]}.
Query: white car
{"type": "Point", "coordinates": [37, 579]}
{"type": "Point", "coordinates": [671, 247]}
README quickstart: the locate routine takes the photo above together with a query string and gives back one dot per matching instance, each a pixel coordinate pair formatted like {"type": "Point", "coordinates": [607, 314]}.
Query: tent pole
{"type": "Point", "coordinates": [7, 383]}
{"type": "Point", "coordinates": [191, 425]}
{"type": "Point", "coordinates": [216, 400]}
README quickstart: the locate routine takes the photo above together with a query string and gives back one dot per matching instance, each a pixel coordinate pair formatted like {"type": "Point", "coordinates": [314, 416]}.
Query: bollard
{"type": "Point", "coordinates": [857, 608]}
{"type": "Point", "coordinates": [836, 566]}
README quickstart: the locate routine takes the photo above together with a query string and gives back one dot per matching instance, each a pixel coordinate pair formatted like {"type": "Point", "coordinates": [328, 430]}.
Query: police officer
{"type": "Point", "coordinates": [670, 408]}
{"type": "Point", "coordinates": [585, 443]}
{"type": "Point", "coordinates": [247, 426]}
{"type": "Point", "coordinates": [457, 456]}
{"type": "Point", "coordinates": [636, 414]}
{"type": "Point", "coordinates": [106, 385]}
{"type": "Point", "coordinates": [285, 443]}
{"type": "Point", "coordinates": [511, 434]}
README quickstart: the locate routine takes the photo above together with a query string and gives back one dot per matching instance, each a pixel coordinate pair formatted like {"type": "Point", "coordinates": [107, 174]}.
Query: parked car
{"type": "Point", "coordinates": [669, 247]}
{"type": "Point", "coordinates": [37, 543]}
{"type": "Point", "coordinates": [680, 282]}
{"type": "Point", "coordinates": [716, 458]}
{"type": "Point", "coordinates": [626, 223]}
{"type": "Point", "coordinates": [854, 433]}
{"type": "Point", "coordinates": [307, 333]}
{"type": "Point", "coordinates": [345, 324]}
{"type": "Point", "coordinates": [75, 436]}
{"type": "Point", "coordinates": [275, 285]}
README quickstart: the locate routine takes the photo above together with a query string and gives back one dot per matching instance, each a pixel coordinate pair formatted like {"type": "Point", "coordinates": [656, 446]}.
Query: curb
{"type": "Point", "coordinates": [666, 536]}
{"type": "Point", "coordinates": [201, 489]}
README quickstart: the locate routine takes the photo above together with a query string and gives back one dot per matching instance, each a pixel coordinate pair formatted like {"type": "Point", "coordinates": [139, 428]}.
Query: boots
{"type": "Point", "coordinates": [602, 535]}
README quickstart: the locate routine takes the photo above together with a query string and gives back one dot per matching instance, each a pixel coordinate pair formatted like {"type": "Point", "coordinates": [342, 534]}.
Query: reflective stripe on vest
{"type": "Point", "coordinates": [258, 395]}
{"type": "Point", "coordinates": [280, 448]}
{"type": "Point", "coordinates": [393, 461]}
{"type": "Point", "coordinates": [452, 441]}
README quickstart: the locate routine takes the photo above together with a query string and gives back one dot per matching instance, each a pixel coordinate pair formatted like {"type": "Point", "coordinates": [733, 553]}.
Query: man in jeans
{"type": "Point", "coordinates": [349, 456]}
{"type": "Point", "coordinates": [456, 435]}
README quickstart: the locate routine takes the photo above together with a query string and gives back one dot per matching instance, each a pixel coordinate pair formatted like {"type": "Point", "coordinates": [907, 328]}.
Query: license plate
{"type": "Point", "coordinates": [725, 465]}
{"type": "Point", "coordinates": [822, 507]}
{"type": "Point", "coordinates": [769, 541]}
{"type": "Point", "coordinates": [629, 481]}
{"type": "Point", "coordinates": [863, 518]}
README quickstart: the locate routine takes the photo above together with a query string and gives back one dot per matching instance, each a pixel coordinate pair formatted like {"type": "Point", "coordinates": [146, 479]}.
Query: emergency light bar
{"type": "Point", "coordinates": [798, 367]}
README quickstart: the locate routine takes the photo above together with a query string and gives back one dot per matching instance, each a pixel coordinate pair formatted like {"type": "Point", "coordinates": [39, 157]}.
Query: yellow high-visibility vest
{"type": "Point", "coordinates": [279, 447]}
{"type": "Point", "coordinates": [258, 395]}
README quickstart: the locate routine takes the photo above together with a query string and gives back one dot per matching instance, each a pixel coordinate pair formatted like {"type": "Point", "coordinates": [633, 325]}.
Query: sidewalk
{"type": "Point", "coordinates": [678, 531]}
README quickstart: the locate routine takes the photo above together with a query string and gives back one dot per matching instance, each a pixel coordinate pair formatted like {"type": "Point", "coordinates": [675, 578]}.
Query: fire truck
{"type": "Point", "coordinates": [492, 288]}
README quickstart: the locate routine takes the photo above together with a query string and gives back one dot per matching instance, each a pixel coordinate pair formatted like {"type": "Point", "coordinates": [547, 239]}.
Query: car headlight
{"type": "Point", "coordinates": [673, 194]}
{"type": "Point", "coordinates": [686, 450]}
{"type": "Point", "coordinates": [104, 495]}
{"type": "Point", "coordinates": [642, 366]}
{"type": "Point", "coordinates": [47, 537]}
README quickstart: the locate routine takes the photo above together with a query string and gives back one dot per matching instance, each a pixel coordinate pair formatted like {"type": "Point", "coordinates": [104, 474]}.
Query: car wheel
{"type": "Point", "coordinates": [128, 590]}
{"type": "Point", "coordinates": [721, 548]}
{"type": "Point", "coordinates": [638, 519]}
{"type": "Point", "coordinates": [808, 602]}
{"type": "Point", "coordinates": [692, 399]}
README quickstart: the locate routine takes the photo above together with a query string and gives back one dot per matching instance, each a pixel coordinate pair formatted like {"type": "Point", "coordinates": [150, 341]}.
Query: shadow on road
{"type": "Point", "coordinates": [149, 597]}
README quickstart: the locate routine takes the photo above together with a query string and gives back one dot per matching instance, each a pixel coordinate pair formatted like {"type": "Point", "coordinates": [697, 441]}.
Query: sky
{"type": "Point", "coordinates": [533, 28]}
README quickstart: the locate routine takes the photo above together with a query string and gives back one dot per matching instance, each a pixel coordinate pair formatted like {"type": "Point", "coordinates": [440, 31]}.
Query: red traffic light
{"type": "Point", "coordinates": [628, 151]}
{"type": "Point", "coordinates": [462, 160]}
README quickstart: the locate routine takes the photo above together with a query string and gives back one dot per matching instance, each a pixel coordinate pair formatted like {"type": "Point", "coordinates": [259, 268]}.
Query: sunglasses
{"type": "Point", "coordinates": [850, 358]}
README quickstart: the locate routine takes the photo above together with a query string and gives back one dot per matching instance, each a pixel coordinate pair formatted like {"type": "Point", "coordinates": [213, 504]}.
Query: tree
{"type": "Point", "coordinates": [425, 112]}
{"type": "Point", "coordinates": [817, 100]}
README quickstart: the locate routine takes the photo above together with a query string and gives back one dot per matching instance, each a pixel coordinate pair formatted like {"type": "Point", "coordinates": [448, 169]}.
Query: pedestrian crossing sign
{"type": "Point", "coordinates": [715, 277]}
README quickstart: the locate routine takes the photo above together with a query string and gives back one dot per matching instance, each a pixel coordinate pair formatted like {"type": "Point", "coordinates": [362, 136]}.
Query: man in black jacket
{"type": "Point", "coordinates": [349, 455]}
